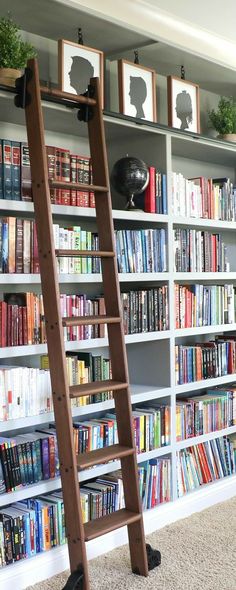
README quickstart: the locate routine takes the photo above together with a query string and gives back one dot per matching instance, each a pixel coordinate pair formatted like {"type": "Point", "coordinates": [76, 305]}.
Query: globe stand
{"type": "Point", "coordinates": [130, 205]}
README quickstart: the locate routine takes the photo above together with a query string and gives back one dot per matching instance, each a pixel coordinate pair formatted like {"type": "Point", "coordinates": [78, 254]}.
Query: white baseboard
{"type": "Point", "coordinates": [45, 565]}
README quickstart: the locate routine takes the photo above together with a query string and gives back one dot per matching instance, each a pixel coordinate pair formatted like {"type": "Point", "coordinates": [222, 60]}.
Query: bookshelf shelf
{"type": "Point", "coordinates": [206, 383]}
{"type": "Point", "coordinates": [204, 223]}
{"type": "Point", "coordinates": [204, 330]}
{"type": "Point", "coordinates": [184, 444]}
{"type": "Point", "coordinates": [46, 486]}
{"type": "Point", "coordinates": [34, 279]}
{"type": "Point", "coordinates": [139, 393]}
{"type": "Point", "coordinates": [56, 560]}
{"type": "Point", "coordinates": [191, 277]}
{"type": "Point", "coordinates": [63, 211]}
{"type": "Point", "coordinates": [151, 355]}
{"type": "Point", "coordinates": [38, 349]}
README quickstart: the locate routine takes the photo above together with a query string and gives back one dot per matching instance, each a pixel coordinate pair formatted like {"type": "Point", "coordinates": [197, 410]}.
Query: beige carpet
{"type": "Point", "coordinates": [198, 553]}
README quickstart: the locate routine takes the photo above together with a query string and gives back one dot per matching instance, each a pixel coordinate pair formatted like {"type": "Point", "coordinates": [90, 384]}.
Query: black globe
{"type": "Point", "coordinates": [129, 176]}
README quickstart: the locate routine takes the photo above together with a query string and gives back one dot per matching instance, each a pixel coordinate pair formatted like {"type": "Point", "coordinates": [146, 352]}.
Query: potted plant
{"type": "Point", "coordinates": [14, 52]}
{"type": "Point", "coordinates": [224, 118]}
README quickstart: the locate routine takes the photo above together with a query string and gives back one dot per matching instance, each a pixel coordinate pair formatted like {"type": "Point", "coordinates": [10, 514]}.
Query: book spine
{"type": "Point", "coordinates": [7, 168]}
{"type": "Point", "coordinates": [16, 171]}
{"type": "Point", "coordinates": [26, 185]}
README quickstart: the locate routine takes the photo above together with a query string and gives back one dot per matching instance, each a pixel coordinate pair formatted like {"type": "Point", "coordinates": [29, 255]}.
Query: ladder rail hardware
{"type": "Point", "coordinates": [131, 515]}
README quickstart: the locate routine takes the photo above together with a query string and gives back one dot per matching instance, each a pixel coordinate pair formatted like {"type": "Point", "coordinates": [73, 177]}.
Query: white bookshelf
{"type": "Point", "coordinates": [150, 355]}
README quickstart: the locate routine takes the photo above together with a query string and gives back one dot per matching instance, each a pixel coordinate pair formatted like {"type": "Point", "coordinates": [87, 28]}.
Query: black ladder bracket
{"type": "Point", "coordinates": [85, 111]}
{"type": "Point", "coordinates": [23, 98]}
{"type": "Point", "coordinates": [75, 580]}
{"type": "Point", "coordinates": [153, 559]}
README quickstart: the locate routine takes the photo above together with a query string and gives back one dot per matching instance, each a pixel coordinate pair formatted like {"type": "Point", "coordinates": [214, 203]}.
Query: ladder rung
{"type": "Point", "coordinates": [78, 186]}
{"type": "Point", "coordinates": [110, 522]}
{"type": "Point", "coordinates": [96, 387]}
{"type": "Point", "coordinates": [92, 253]}
{"type": "Point", "coordinates": [71, 98]}
{"type": "Point", "coordinates": [89, 320]}
{"type": "Point", "coordinates": [103, 455]}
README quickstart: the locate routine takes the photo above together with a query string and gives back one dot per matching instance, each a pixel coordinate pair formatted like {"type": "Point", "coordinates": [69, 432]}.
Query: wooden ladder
{"type": "Point", "coordinates": [131, 516]}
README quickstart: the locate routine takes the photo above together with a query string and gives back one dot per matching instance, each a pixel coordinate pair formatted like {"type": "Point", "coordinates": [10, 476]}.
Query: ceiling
{"type": "Point", "coordinates": [212, 15]}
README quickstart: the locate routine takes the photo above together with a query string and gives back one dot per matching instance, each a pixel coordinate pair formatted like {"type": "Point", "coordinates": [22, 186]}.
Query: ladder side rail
{"type": "Point", "coordinates": [116, 333]}
{"type": "Point", "coordinates": [54, 330]}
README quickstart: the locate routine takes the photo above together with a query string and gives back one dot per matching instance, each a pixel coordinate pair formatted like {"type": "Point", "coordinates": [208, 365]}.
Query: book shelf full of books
{"type": "Point", "coordinates": [178, 279]}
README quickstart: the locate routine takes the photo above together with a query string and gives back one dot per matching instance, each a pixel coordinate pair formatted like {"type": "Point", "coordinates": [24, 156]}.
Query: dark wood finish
{"type": "Point", "coordinates": [92, 320]}
{"type": "Point", "coordinates": [61, 45]}
{"type": "Point", "coordinates": [116, 336]}
{"type": "Point", "coordinates": [170, 101]}
{"type": "Point", "coordinates": [55, 340]}
{"type": "Point", "coordinates": [103, 455]}
{"type": "Point", "coordinates": [106, 524]}
{"type": "Point", "coordinates": [121, 67]}
{"type": "Point", "coordinates": [131, 516]}
{"type": "Point", "coordinates": [72, 98]}
{"type": "Point", "coordinates": [77, 185]}
{"type": "Point", "coordinates": [92, 253]}
{"type": "Point", "coordinates": [96, 387]}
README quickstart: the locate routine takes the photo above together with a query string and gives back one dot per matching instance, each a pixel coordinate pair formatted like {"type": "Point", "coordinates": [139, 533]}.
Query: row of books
{"type": "Point", "coordinates": [207, 198]}
{"type": "Point", "coordinates": [75, 238]}
{"type": "Point", "coordinates": [28, 458]}
{"type": "Point", "coordinates": [143, 250]}
{"type": "Point", "coordinates": [205, 360]}
{"type": "Point", "coordinates": [32, 457]}
{"type": "Point", "coordinates": [151, 427]}
{"type": "Point", "coordinates": [154, 198]}
{"type": "Point", "coordinates": [146, 310]}
{"type": "Point", "coordinates": [37, 525]}
{"type": "Point", "coordinates": [213, 410]}
{"type": "Point", "coordinates": [199, 251]}
{"type": "Point", "coordinates": [205, 462]}
{"type": "Point", "coordinates": [204, 305]}
{"type": "Point", "coordinates": [26, 391]}
{"type": "Point", "coordinates": [18, 246]}
{"type": "Point", "coordinates": [15, 174]}
{"type": "Point", "coordinates": [22, 319]}
{"type": "Point", "coordinates": [137, 250]}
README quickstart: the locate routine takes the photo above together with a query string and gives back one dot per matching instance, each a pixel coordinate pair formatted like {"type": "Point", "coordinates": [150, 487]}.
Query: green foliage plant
{"type": "Point", "coordinates": [14, 52]}
{"type": "Point", "coordinates": [224, 118]}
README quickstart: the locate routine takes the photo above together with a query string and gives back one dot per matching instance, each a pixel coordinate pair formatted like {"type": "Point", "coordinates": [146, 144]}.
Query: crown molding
{"type": "Point", "coordinates": [140, 16]}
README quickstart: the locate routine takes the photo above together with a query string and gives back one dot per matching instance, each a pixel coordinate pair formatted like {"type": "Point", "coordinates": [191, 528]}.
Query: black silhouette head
{"type": "Point", "coordinates": [138, 94]}
{"type": "Point", "coordinates": [80, 73]}
{"type": "Point", "coordinates": [184, 110]}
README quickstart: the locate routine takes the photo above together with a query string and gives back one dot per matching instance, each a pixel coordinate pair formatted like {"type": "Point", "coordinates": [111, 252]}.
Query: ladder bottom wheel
{"type": "Point", "coordinates": [153, 557]}
{"type": "Point", "coordinates": [75, 580]}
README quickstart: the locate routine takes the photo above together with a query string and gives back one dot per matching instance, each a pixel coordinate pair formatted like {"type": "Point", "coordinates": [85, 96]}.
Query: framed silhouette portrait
{"type": "Point", "coordinates": [137, 90]}
{"type": "Point", "coordinates": [76, 65]}
{"type": "Point", "coordinates": [183, 104]}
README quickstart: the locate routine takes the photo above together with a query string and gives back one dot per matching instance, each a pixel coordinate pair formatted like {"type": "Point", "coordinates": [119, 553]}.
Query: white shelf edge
{"type": "Point", "coordinates": [179, 332]}
{"type": "Point", "coordinates": [38, 349]}
{"type": "Point", "coordinates": [16, 279]}
{"type": "Point", "coordinates": [208, 223]}
{"type": "Point", "coordinates": [205, 276]}
{"type": "Point", "coordinates": [184, 444]}
{"type": "Point", "coordinates": [55, 561]}
{"type": "Point", "coordinates": [139, 393]}
{"type": "Point", "coordinates": [69, 211]}
{"type": "Point", "coordinates": [205, 383]}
